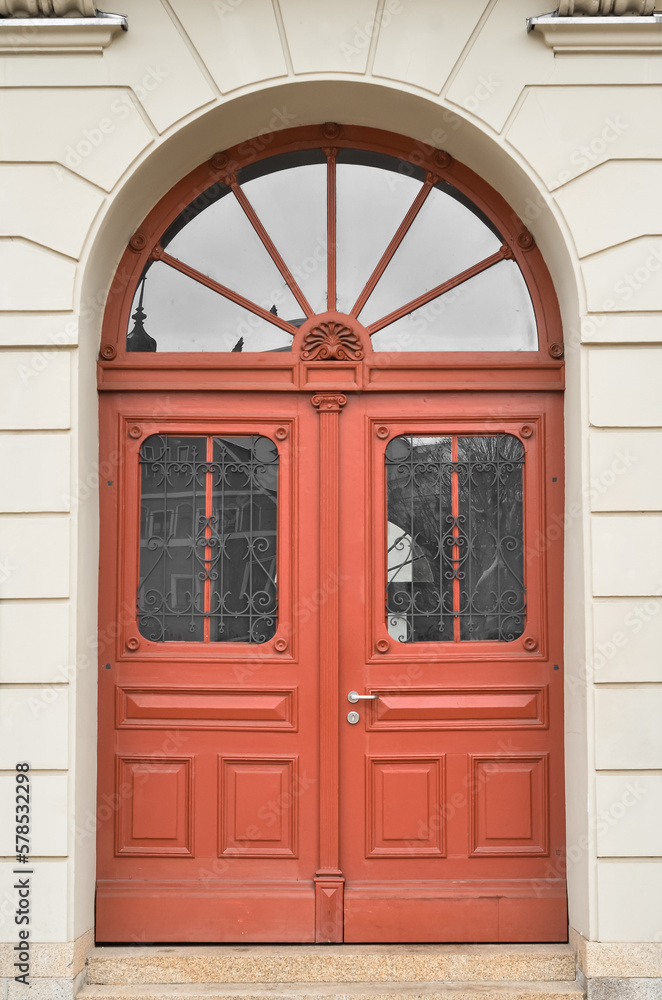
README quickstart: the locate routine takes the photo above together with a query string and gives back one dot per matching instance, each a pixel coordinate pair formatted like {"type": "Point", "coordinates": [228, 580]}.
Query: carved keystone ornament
{"type": "Point", "coordinates": [332, 340]}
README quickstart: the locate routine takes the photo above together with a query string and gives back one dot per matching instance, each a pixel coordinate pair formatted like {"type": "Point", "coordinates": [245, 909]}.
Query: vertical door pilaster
{"type": "Point", "coordinates": [328, 878]}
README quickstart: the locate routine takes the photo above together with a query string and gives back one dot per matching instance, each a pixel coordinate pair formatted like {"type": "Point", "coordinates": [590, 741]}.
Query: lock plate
{"type": "Point", "coordinates": [353, 718]}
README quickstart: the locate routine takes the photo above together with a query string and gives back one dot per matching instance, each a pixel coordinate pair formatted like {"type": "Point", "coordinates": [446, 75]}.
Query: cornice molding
{"type": "Point", "coordinates": [633, 33]}
{"type": "Point", "coordinates": [605, 8]}
{"type": "Point", "coordinates": [57, 32]}
{"type": "Point", "coordinates": [47, 8]}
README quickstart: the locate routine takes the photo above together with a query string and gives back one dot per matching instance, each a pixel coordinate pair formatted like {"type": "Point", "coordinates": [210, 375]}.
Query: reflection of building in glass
{"type": "Point", "coordinates": [455, 538]}
{"type": "Point", "coordinates": [208, 523]}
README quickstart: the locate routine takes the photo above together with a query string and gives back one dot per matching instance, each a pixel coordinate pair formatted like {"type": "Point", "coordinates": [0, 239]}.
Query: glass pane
{"type": "Point", "coordinates": [419, 601]}
{"type": "Point", "coordinates": [243, 570]}
{"type": "Point", "coordinates": [444, 239]}
{"type": "Point", "coordinates": [455, 568]}
{"type": "Point", "coordinates": [208, 539]}
{"type": "Point", "coordinates": [183, 315]}
{"type": "Point", "coordinates": [291, 204]}
{"type": "Point", "coordinates": [490, 312]}
{"type": "Point", "coordinates": [372, 199]}
{"type": "Point", "coordinates": [491, 537]}
{"type": "Point", "coordinates": [172, 549]}
{"type": "Point", "coordinates": [222, 244]}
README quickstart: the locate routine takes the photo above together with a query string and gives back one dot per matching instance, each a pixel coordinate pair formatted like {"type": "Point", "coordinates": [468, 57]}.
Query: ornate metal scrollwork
{"type": "Point", "coordinates": [455, 538]}
{"type": "Point", "coordinates": [332, 341]}
{"type": "Point", "coordinates": [208, 539]}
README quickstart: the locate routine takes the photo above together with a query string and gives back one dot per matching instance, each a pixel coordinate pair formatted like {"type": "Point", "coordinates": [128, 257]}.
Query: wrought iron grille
{"type": "Point", "coordinates": [455, 538]}
{"type": "Point", "coordinates": [208, 524]}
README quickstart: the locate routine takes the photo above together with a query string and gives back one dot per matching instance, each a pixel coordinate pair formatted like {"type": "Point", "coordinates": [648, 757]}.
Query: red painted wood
{"type": "Point", "coordinates": [235, 726]}
{"type": "Point", "coordinates": [271, 249]}
{"type": "Point", "coordinates": [402, 231]}
{"type": "Point", "coordinates": [132, 264]}
{"type": "Point", "coordinates": [500, 819]}
{"type": "Point", "coordinates": [216, 286]}
{"type": "Point", "coordinates": [236, 803]}
{"type": "Point", "coordinates": [445, 286]}
{"type": "Point", "coordinates": [328, 876]}
{"type": "Point", "coordinates": [331, 154]}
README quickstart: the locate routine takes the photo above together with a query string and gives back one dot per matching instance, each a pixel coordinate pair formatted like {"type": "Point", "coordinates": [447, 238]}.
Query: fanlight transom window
{"type": "Point", "coordinates": [408, 256]}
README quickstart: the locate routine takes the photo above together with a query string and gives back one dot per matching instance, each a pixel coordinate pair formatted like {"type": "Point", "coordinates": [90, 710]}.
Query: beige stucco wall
{"type": "Point", "coordinates": [89, 142]}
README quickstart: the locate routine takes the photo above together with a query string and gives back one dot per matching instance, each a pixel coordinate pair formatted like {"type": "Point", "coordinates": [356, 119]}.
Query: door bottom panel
{"type": "Point", "coordinates": [205, 911]}
{"type": "Point", "coordinates": [456, 911]}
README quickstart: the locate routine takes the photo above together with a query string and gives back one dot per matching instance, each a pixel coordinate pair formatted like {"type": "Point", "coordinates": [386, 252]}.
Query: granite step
{"type": "Point", "coordinates": [361, 963]}
{"type": "Point", "coordinates": [335, 991]}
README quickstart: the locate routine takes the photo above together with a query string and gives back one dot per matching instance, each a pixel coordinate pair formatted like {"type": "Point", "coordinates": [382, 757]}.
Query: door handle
{"type": "Point", "coordinates": [354, 696]}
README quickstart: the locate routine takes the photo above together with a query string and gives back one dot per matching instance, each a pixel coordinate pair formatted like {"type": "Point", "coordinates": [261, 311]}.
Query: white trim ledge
{"type": "Point", "coordinates": [60, 34]}
{"type": "Point", "coordinates": [599, 34]}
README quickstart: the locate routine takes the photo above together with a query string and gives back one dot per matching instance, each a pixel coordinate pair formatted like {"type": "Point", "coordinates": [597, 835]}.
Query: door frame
{"type": "Point", "coordinates": [329, 380]}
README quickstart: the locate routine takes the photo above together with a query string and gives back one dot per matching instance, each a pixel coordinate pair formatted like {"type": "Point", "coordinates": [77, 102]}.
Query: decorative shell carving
{"type": "Point", "coordinates": [331, 341]}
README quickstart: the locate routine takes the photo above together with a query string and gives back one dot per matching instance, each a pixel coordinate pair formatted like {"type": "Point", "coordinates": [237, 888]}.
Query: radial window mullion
{"type": "Point", "coordinates": [227, 293]}
{"type": "Point", "coordinates": [386, 257]}
{"type": "Point", "coordinates": [331, 155]}
{"type": "Point", "coordinates": [270, 247]}
{"type": "Point", "coordinates": [440, 290]}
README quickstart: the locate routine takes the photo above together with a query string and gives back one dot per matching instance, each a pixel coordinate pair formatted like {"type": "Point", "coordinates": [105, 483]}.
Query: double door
{"type": "Point", "coordinates": [330, 668]}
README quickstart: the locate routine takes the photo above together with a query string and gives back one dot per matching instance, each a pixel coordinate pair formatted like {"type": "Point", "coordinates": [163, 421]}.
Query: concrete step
{"type": "Point", "coordinates": [334, 991]}
{"type": "Point", "coordinates": [345, 963]}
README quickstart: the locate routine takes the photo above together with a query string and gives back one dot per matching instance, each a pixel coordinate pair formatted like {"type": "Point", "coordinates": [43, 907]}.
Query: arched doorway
{"type": "Point", "coordinates": [331, 370]}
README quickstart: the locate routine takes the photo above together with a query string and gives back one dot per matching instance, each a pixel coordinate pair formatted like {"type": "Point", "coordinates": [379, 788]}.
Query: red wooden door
{"type": "Point", "coordinates": [208, 775]}
{"type": "Point", "coordinates": [316, 503]}
{"type": "Point", "coordinates": [446, 818]}
{"type": "Point", "coordinates": [451, 783]}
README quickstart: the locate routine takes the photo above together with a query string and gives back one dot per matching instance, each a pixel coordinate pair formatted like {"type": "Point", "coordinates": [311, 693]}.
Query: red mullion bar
{"type": "Point", "coordinates": [401, 232]}
{"type": "Point", "coordinates": [270, 248]}
{"type": "Point", "coordinates": [446, 286]}
{"type": "Point", "coordinates": [225, 292]}
{"type": "Point", "coordinates": [331, 155]}
{"type": "Point", "coordinates": [208, 513]}
{"type": "Point", "coordinates": [455, 510]}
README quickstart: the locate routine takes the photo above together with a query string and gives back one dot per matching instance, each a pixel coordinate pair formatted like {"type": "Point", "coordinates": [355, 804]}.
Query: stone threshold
{"type": "Point", "coordinates": [484, 990]}
{"type": "Point", "coordinates": [334, 964]}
